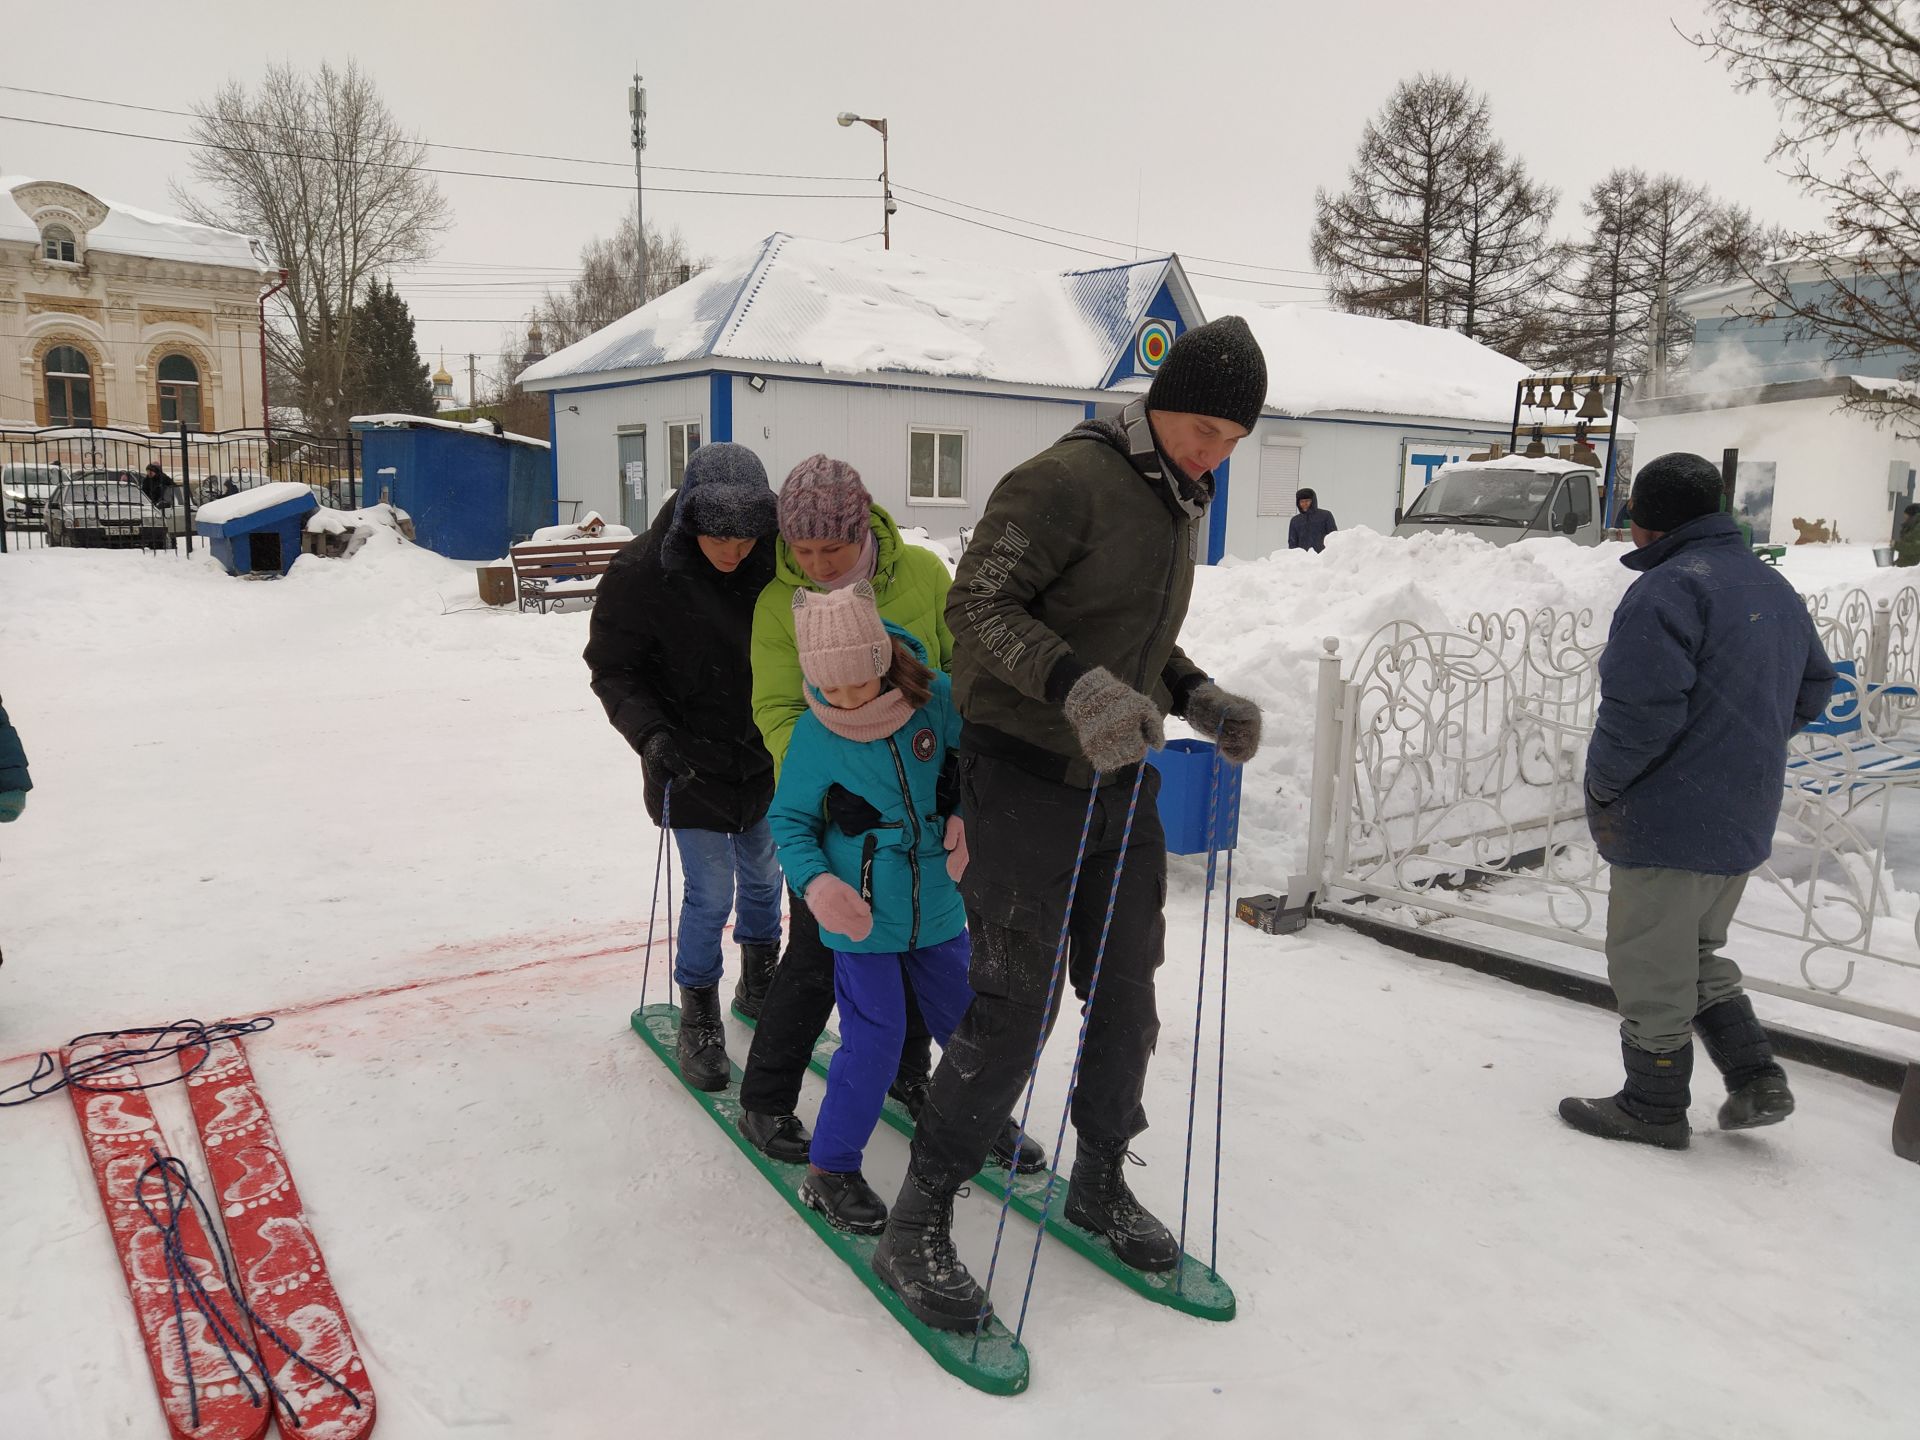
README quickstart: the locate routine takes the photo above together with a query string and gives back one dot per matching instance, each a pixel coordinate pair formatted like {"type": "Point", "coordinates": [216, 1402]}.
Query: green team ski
{"type": "Point", "coordinates": [997, 1363]}
{"type": "Point", "coordinates": [1193, 1288]}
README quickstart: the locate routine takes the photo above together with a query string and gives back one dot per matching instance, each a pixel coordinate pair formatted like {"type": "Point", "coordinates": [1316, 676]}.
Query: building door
{"type": "Point", "coordinates": [633, 479]}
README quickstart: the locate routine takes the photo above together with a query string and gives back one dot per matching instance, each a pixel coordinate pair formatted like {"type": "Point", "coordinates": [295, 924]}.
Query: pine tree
{"type": "Point", "coordinates": [1438, 224]}
{"type": "Point", "coordinates": [389, 378]}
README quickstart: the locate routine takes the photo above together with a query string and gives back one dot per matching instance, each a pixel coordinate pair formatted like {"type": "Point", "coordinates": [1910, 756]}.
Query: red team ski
{"type": "Point", "coordinates": [276, 1260]}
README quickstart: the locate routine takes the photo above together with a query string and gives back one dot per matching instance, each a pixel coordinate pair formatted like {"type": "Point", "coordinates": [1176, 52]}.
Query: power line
{"type": "Point", "coordinates": [437, 144]}
{"type": "Point", "coordinates": [427, 169]}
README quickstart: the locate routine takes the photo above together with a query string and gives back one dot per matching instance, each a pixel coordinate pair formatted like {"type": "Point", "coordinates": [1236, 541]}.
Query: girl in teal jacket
{"type": "Point", "coordinates": [861, 834]}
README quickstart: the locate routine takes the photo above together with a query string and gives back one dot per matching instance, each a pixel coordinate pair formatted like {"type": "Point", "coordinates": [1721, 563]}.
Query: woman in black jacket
{"type": "Point", "coordinates": [669, 654]}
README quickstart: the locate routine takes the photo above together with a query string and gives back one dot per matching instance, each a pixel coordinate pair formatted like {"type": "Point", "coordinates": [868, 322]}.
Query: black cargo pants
{"type": "Point", "coordinates": [1023, 832]}
{"type": "Point", "coordinates": [798, 1005]}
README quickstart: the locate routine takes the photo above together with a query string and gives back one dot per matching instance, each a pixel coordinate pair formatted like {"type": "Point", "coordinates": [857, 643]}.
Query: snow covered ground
{"type": "Point", "coordinates": [404, 828]}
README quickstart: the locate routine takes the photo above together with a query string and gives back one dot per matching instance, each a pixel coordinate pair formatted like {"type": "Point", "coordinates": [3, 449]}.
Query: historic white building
{"type": "Point", "coordinates": [115, 316]}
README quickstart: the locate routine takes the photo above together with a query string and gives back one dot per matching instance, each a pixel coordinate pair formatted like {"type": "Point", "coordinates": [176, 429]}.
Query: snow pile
{"type": "Point", "coordinates": [945, 549]}
{"type": "Point", "coordinates": [588, 527]}
{"type": "Point", "coordinates": [252, 502]}
{"type": "Point", "coordinates": [1320, 360]}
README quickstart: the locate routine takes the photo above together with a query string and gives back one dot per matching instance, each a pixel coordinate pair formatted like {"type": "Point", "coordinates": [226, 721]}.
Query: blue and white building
{"type": "Point", "coordinates": [934, 378]}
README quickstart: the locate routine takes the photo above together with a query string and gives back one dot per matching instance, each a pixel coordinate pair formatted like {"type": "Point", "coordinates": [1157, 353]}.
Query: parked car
{"type": "Point", "coordinates": [24, 492]}
{"type": "Point", "coordinates": [1513, 498]}
{"type": "Point", "coordinates": [229, 482]}
{"type": "Point", "coordinates": [104, 508]}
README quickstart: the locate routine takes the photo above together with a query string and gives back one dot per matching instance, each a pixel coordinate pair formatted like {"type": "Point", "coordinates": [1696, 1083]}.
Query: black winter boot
{"type": "Point", "coordinates": [1757, 1092]}
{"type": "Point", "coordinates": [847, 1201]}
{"type": "Point", "coordinates": [1651, 1108]}
{"type": "Point", "coordinates": [917, 1260]}
{"type": "Point", "coordinates": [1016, 1152]}
{"type": "Point", "coordinates": [756, 975]}
{"type": "Point", "coordinates": [1099, 1200]}
{"type": "Point", "coordinates": [911, 1093]}
{"type": "Point", "coordinates": [778, 1137]}
{"type": "Point", "coordinates": [702, 1051]}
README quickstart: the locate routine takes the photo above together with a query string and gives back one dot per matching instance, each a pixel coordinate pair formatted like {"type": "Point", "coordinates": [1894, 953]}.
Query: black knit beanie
{"type": "Point", "coordinates": [725, 493]}
{"type": "Point", "coordinates": [1672, 489]}
{"type": "Point", "coordinates": [1214, 369]}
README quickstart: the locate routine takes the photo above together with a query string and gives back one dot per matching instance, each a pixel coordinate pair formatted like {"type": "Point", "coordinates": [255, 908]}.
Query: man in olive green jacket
{"type": "Point", "coordinates": [1066, 614]}
{"type": "Point", "coordinates": [1906, 549]}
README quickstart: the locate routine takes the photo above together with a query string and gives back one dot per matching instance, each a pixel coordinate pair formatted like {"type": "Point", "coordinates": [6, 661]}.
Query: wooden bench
{"type": "Point", "coordinates": [547, 573]}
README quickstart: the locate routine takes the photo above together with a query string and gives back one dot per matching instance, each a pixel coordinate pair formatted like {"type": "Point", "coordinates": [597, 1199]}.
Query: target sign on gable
{"type": "Point", "coordinates": [1151, 345]}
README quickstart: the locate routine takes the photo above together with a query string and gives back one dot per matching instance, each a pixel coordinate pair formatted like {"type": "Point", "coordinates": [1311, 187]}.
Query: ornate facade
{"type": "Point", "coordinates": [116, 316]}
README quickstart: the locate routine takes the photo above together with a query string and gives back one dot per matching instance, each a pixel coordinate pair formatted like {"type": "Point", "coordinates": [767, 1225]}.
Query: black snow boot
{"type": "Point", "coordinates": [1099, 1200]}
{"type": "Point", "coordinates": [1015, 1151]}
{"type": "Point", "coordinates": [778, 1137]}
{"type": "Point", "coordinates": [1757, 1092]}
{"type": "Point", "coordinates": [702, 1051]}
{"type": "Point", "coordinates": [1651, 1107]}
{"type": "Point", "coordinates": [911, 1093]}
{"type": "Point", "coordinates": [917, 1260]}
{"type": "Point", "coordinates": [756, 975]}
{"type": "Point", "coordinates": [847, 1201]}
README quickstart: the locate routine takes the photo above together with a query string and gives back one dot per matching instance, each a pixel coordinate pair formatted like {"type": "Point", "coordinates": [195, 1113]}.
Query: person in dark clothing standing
{"type": "Point", "coordinates": [1065, 615]}
{"type": "Point", "coordinates": [1308, 530]}
{"type": "Point", "coordinates": [669, 654]}
{"type": "Point", "coordinates": [156, 485]}
{"type": "Point", "coordinates": [1906, 549]}
{"type": "Point", "coordinates": [1711, 665]}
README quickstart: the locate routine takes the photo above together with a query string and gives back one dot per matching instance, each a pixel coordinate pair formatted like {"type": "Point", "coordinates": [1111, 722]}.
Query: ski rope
{"type": "Point", "coordinates": [1033, 1071]}
{"type": "Point", "coordinates": [1220, 1075]}
{"type": "Point", "coordinates": [179, 1193]}
{"type": "Point", "coordinates": [192, 1035]}
{"type": "Point", "coordinates": [1199, 1009]}
{"type": "Point", "coordinates": [1080, 1046]}
{"type": "Point", "coordinates": [660, 859]}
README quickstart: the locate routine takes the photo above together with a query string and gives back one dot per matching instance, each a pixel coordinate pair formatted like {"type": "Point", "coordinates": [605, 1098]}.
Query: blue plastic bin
{"type": "Point", "coordinates": [1186, 788]}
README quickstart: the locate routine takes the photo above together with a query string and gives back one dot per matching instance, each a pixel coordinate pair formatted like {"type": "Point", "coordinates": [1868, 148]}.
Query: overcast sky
{"type": "Point", "coordinates": [1199, 127]}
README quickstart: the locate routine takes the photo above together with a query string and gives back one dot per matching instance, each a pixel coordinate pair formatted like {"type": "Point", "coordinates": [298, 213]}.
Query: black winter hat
{"type": "Point", "coordinates": [1214, 369]}
{"type": "Point", "coordinates": [725, 493]}
{"type": "Point", "coordinates": [1672, 489]}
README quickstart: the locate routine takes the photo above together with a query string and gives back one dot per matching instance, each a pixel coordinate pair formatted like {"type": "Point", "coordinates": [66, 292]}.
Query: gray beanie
{"type": "Point", "coordinates": [1215, 369]}
{"type": "Point", "coordinates": [1674, 488]}
{"type": "Point", "coordinates": [725, 493]}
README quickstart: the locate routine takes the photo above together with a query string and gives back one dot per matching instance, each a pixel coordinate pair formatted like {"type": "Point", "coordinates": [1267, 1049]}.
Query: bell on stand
{"type": "Point", "coordinates": [1526, 394]}
{"type": "Point", "coordinates": [1567, 402]}
{"type": "Point", "coordinates": [1593, 407]}
{"type": "Point", "coordinates": [1536, 447]}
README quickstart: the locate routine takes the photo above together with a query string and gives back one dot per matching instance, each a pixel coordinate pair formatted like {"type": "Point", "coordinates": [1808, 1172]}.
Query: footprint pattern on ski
{"type": "Point", "coordinates": [114, 1119]}
{"type": "Point", "coordinates": [276, 1255]}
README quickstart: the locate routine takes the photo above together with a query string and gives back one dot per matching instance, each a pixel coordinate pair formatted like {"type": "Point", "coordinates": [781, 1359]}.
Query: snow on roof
{"type": "Point", "coordinates": [428, 422]}
{"type": "Point", "coordinates": [1322, 360]}
{"type": "Point", "coordinates": [130, 231]}
{"type": "Point", "coordinates": [252, 502]}
{"type": "Point", "coordinates": [852, 311]}
{"type": "Point", "coordinates": [1535, 464]}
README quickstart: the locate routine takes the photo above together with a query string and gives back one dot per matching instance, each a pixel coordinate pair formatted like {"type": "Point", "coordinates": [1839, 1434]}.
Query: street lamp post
{"type": "Point", "coordinates": [847, 117]}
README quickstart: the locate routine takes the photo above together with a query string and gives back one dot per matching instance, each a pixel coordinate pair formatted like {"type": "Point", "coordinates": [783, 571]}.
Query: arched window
{"type": "Point", "coordinates": [56, 243]}
{"type": "Point", "coordinates": [179, 392]}
{"type": "Point", "coordinates": [69, 387]}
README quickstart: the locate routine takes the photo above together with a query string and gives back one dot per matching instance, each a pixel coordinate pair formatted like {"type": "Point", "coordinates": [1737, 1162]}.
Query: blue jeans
{"type": "Point", "coordinates": [873, 1024]}
{"type": "Point", "coordinates": [710, 862]}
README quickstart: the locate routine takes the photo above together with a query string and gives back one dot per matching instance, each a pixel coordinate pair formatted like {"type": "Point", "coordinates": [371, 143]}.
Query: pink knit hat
{"type": "Point", "coordinates": [824, 499]}
{"type": "Point", "coordinates": [841, 638]}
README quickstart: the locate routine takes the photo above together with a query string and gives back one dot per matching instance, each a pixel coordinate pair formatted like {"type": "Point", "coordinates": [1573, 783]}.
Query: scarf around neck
{"type": "Point", "coordinates": [880, 717]}
{"type": "Point", "coordinates": [863, 568]}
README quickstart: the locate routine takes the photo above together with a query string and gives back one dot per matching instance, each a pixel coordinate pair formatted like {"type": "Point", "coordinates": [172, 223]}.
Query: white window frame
{"type": "Point", "coordinates": [1288, 507]}
{"type": "Point", "coordinates": [936, 499]}
{"type": "Point", "coordinates": [71, 242]}
{"type": "Point", "coordinates": [682, 425]}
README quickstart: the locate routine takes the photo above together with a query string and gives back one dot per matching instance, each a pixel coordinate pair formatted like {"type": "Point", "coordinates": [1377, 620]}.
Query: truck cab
{"type": "Point", "coordinates": [1516, 497]}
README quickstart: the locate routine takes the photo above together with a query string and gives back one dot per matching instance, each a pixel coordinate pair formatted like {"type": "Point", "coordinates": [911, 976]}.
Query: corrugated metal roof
{"type": "Point", "coordinates": [848, 311]}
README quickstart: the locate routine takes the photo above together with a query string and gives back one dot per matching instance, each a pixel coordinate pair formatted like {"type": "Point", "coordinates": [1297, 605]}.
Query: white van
{"type": "Point", "coordinates": [1517, 497]}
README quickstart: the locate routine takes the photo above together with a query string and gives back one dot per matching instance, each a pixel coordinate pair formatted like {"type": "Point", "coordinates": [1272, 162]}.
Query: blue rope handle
{"type": "Point", "coordinates": [1080, 1045]}
{"type": "Point", "coordinates": [1040, 1045]}
{"type": "Point", "coordinates": [1199, 1010]}
{"type": "Point", "coordinates": [653, 912]}
{"type": "Point", "coordinates": [1220, 1079]}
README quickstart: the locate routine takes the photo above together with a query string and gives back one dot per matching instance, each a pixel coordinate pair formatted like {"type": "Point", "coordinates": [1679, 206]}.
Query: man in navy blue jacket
{"type": "Point", "coordinates": [1309, 528]}
{"type": "Point", "coordinates": [1711, 665]}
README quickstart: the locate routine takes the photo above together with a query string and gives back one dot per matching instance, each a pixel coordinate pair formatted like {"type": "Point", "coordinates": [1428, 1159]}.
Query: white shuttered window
{"type": "Point", "coordinates": [1279, 478]}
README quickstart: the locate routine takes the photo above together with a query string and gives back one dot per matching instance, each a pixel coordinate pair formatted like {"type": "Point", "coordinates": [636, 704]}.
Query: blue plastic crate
{"type": "Point", "coordinates": [1186, 787]}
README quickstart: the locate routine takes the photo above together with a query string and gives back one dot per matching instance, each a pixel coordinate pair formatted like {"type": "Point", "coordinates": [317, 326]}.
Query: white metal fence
{"type": "Point", "coordinates": [1448, 780]}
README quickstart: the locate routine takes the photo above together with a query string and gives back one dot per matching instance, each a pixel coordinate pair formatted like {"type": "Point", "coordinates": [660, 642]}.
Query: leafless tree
{"type": "Point", "coordinates": [316, 165]}
{"type": "Point", "coordinates": [1845, 75]}
{"type": "Point", "coordinates": [608, 285]}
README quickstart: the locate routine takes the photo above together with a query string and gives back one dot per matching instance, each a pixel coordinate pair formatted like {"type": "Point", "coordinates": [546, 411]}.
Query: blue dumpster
{"type": "Point", "coordinates": [1186, 796]}
{"type": "Point", "coordinates": [470, 493]}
